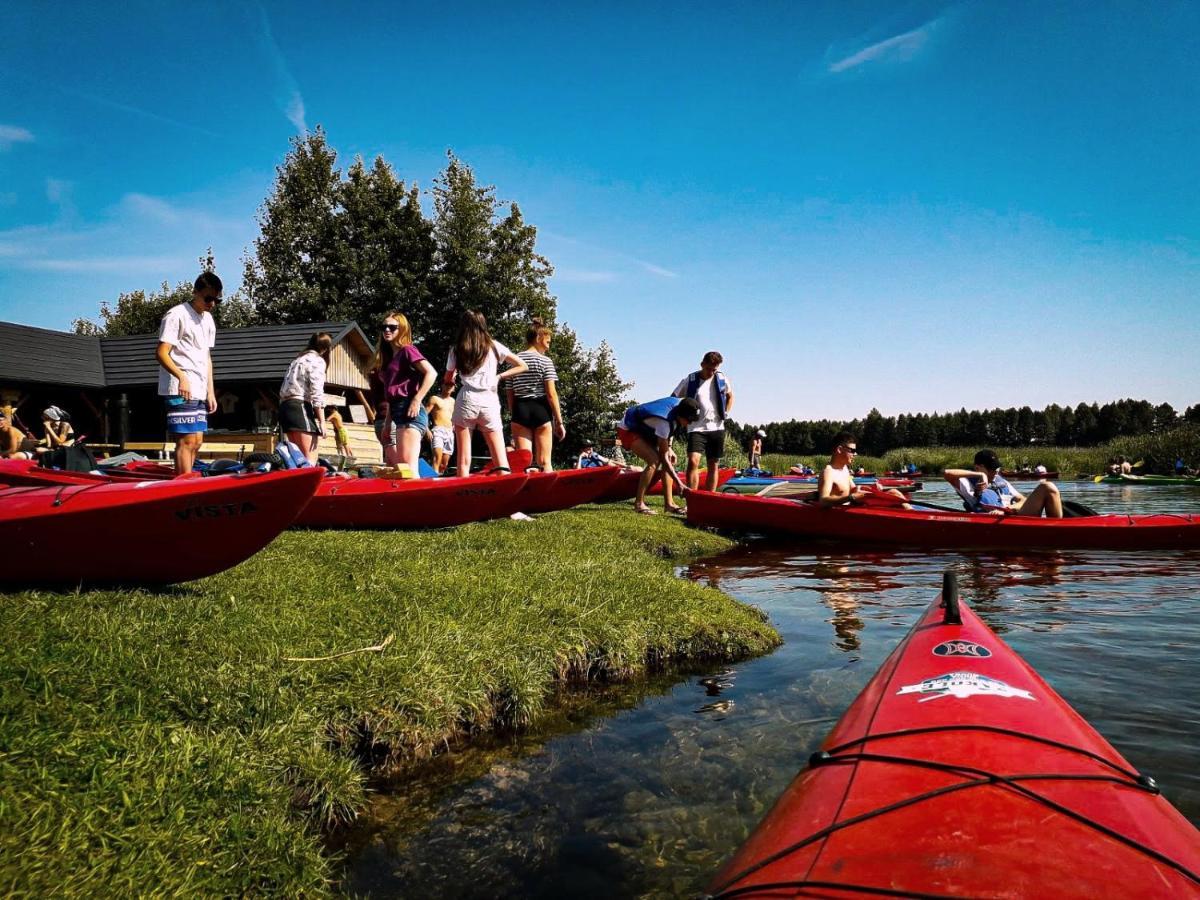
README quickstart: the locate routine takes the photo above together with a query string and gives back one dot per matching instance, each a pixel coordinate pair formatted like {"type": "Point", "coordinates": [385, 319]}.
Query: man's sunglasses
{"type": "Point", "coordinates": [211, 299]}
{"type": "Point", "coordinates": [851, 450]}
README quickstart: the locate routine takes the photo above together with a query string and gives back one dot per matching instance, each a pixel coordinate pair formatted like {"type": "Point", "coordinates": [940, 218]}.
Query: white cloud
{"type": "Point", "coordinates": [658, 270]}
{"type": "Point", "coordinates": [13, 134]}
{"type": "Point", "coordinates": [287, 91]}
{"type": "Point", "coordinates": [581, 276]}
{"type": "Point", "coordinates": [898, 48]}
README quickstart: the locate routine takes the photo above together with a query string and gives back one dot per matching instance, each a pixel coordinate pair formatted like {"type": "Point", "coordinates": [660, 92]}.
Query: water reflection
{"type": "Point", "coordinates": [647, 794]}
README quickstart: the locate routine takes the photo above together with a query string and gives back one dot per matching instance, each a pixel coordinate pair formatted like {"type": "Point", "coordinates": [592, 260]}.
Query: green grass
{"type": "Point", "coordinates": [159, 742]}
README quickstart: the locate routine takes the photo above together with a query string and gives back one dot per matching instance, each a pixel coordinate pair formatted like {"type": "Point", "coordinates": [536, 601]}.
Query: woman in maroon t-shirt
{"type": "Point", "coordinates": [399, 379]}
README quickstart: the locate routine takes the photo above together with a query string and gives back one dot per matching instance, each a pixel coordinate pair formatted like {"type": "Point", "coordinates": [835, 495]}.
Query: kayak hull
{"type": "Point", "coordinates": [906, 793]}
{"type": "Point", "coordinates": [571, 487]}
{"type": "Point", "coordinates": [151, 532]}
{"type": "Point", "coordinates": [624, 486]}
{"type": "Point", "coordinates": [1149, 479]}
{"type": "Point", "coordinates": [343, 502]}
{"type": "Point", "coordinates": [943, 529]}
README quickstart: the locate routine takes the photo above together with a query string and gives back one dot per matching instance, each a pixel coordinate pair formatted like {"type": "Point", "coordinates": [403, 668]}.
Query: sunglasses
{"type": "Point", "coordinates": [853, 451]}
{"type": "Point", "coordinates": [211, 299]}
{"type": "Point", "coordinates": [391, 327]}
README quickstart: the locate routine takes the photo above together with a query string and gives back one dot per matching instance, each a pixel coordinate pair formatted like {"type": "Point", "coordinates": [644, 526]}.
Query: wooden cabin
{"type": "Point", "coordinates": [109, 385]}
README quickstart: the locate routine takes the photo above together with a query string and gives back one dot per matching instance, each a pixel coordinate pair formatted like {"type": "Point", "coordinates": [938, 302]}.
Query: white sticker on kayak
{"type": "Point", "coordinates": [963, 685]}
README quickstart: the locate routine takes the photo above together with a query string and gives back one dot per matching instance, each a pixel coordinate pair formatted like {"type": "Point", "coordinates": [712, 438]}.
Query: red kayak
{"type": "Point", "coordinates": [537, 491]}
{"type": "Point", "coordinates": [935, 528]}
{"type": "Point", "coordinates": [571, 487]}
{"type": "Point", "coordinates": [624, 486]}
{"type": "Point", "coordinates": [345, 502]}
{"type": "Point", "coordinates": [149, 532]}
{"type": "Point", "coordinates": [958, 772]}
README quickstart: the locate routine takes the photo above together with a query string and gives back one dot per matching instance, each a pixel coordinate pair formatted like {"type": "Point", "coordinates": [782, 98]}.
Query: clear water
{"type": "Point", "coordinates": [644, 791]}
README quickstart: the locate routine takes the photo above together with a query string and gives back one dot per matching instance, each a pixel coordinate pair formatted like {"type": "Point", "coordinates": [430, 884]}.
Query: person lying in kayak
{"type": "Point", "coordinates": [984, 490]}
{"type": "Point", "coordinates": [646, 430]}
{"type": "Point", "coordinates": [835, 486]}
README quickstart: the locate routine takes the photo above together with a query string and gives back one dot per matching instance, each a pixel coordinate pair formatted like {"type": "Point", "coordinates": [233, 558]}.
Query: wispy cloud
{"type": "Point", "coordinates": [139, 236]}
{"type": "Point", "coordinates": [658, 270]}
{"type": "Point", "coordinates": [580, 276]}
{"type": "Point", "coordinates": [895, 49]}
{"type": "Point", "coordinates": [136, 111]}
{"type": "Point", "coordinates": [287, 91]}
{"type": "Point", "coordinates": [14, 134]}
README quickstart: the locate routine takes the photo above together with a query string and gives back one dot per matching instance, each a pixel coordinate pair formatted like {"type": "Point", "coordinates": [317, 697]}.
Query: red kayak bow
{"type": "Point", "coordinates": [958, 772]}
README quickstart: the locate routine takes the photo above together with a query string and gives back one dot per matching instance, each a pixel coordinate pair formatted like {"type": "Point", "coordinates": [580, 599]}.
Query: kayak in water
{"type": "Point", "coordinates": [958, 772]}
{"type": "Point", "coordinates": [943, 528]}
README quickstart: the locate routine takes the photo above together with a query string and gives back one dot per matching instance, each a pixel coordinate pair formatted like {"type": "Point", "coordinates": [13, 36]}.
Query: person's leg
{"type": "Point", "coordinates": [1045, 498]}
{"type": "Point", "coordinates": [642, 448]}
{"type": "Point", "coordinates": [693, 470]}
{"type": "Point", "coordinates": [495, 445]}
{"type": "Point", "coordinates": [462, 446]}
{"type": "Point", "coordinates": [543, 441]}
{"type": "Point", "coordinates": [410, 447]}
{"type": "Point", "coordinates": [391, 449]}
{"type": "Point", "coordinates": [186, 446]}
{"type": "Point", "coordinates": [305, 442]}
{"type": "Point", "coordinates": [522, 438]}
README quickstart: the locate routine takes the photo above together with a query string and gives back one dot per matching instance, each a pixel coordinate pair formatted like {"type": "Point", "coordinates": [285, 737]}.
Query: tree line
{"type": "Point", "coordinates": [1085, 425]}
{"type": "Point", "coordinates": [355, 245]}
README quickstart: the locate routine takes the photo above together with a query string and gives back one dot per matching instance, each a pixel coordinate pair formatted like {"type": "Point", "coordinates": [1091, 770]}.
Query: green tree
{"type": "Point", "coordinates": [137, 312]}
{"type": "Point", "coordinates": [298, 269]}
{"type": "Point", "coordinates": [590, 390]}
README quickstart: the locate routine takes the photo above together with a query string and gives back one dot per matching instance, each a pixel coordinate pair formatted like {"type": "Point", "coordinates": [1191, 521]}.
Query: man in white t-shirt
{"type": "Point", "coordinates": [711, 389]}
{"type": "Point", "coordinates": [185, 380]}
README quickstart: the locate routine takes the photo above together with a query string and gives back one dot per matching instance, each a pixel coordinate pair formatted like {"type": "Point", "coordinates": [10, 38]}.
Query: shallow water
{"type": "Point", "coordinates": [644, 791]}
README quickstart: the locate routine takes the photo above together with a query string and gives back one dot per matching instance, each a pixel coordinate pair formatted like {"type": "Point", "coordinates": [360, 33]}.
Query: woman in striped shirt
{"type": "Point", "coordinates": [302, 394]}
{"type": "Point", "coordinates": [533, 398]}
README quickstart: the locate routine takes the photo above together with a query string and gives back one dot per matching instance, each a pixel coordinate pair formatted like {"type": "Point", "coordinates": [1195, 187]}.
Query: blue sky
{"type": "Point", "coordinates": [913, 206]}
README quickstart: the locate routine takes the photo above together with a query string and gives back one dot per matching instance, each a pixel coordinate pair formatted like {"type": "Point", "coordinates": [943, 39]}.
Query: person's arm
{"type": "Point", "coordinates": [428, 377]}
{"type": "Point", "coordinates": [164, 359]}
{"type": "Point", "coordinates": [728, 399]}
{"type": "Point", "coordinates": [825, 496]}
{"type": "Point", "coordinates": [953, 475]}
{"type": "Point", "coordinates": [560, 429]}
{"type": "Point", "coordinates": [516, 366]}
{"type": "Point", "coordinates": [510, 397]}
{"type": "Point", "coordinates": [315, 393]}
{"type": "Point", "coordinates": [212, 391]}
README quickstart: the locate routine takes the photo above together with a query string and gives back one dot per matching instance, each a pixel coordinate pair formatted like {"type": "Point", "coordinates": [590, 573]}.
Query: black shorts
{"type": "Point", "coordinates": [710, 443]}
{"type": "Point", "coordinates": [298, 415]}
{"type": "Point", "coordinates": [532, 412]}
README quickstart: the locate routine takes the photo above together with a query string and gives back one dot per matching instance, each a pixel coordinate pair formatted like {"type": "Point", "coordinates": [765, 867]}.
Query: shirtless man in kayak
{"type": "Point", "coordinates": [985, 490]}
{"type": "Point", "coordinates": [835, 486]}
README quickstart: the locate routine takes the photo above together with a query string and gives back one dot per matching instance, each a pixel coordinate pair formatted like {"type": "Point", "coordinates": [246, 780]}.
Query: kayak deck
{"type": "Point", "coordinates": [958, 772]}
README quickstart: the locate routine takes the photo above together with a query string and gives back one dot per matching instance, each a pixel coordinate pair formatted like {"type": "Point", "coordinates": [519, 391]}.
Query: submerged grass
{"type": "Point", "coordinates": [161, 741]}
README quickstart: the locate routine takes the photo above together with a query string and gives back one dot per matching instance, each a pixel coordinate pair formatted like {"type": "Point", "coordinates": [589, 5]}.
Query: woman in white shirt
{"type": "Point", "coordinates": [476, 358]}
{"type": "Point", "coordinates": [302, 395]}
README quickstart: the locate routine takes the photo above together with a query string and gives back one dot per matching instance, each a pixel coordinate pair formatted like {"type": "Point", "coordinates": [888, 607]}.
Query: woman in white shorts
{"type": "Point", "coordinates": [476, 358]}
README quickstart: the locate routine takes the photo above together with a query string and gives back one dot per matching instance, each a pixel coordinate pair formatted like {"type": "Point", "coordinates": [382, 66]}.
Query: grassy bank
{"type": "Point", "coordinates": [1156, 451]}
{"type": "Point", "coordinates": [161, 741]}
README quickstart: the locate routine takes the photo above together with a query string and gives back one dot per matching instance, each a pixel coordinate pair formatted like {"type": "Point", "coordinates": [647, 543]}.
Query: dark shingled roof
{"type": "Point", "coordinates": [42, 356]}
{"type": "Point", "coordinates": [241, 354]}
{"type": "Point", "coordinates": [39, 355]}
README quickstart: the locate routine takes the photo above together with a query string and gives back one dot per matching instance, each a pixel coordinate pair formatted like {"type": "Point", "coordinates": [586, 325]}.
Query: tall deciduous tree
{"type": "Point", "coordinates": [298, 269]}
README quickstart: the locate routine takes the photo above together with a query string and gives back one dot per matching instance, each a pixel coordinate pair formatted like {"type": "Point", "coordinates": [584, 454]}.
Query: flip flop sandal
{"type": "Point", "coordinates": [644, 511]}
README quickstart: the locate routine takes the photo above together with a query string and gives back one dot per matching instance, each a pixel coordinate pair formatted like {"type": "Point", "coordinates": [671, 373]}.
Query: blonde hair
{"type": "Point", "coordinates": [384, 350]}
